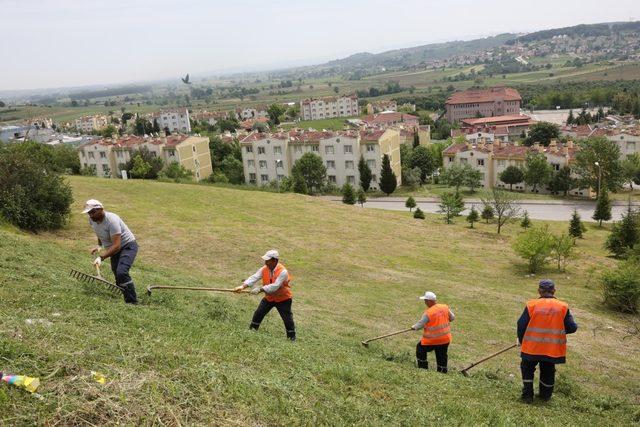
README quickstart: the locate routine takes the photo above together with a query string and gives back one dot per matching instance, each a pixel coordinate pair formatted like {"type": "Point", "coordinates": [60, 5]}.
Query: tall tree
{"type": "Point", "coordinates": [472, 178]}
{"type": "Point", "coordinates": [624, 234]}
{"type": "Point", "coordinates": [631, 169]}
{"type": "Point", "coordinates": [275, 111]}
{"type": "Point", "coordinates": [388, 180]}
{"type": "Point", "coordinates": [422, 158]}
{"type": "Point", "coordinates": [603, 208]}
{"type": "Point", "coordinates": [365, 174]}
{"type": "Point", "coordinates": [454, 176]}
{"type": "Point", "coordinates": [542, 132]}
{"type": "Point", "coordinates": [562, 181]}
{"type": "Point", "coordinates": [607, 154]}
{"type": "Point", "coordinates": [451, 204]}
{"type": "Point", "coordinates": [537, 171]}
{"type": "Point", "coordinates": [312, 170]}
{"type": "Point", "coordinates": [503, 204]}
{"type": "Point", "coordinates": [511, 175]}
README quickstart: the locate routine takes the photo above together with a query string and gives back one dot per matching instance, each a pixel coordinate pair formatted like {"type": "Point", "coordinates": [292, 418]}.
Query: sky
{"type": "Point", "coordinates": [62, 43]}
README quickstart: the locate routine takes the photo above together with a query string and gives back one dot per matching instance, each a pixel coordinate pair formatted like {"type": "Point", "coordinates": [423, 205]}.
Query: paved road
{"type": "Point", "coordinates": [545, 210]}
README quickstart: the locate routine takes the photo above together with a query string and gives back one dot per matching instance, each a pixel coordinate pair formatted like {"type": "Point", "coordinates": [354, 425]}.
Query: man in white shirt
{"type": "Point", "coordinates": [119, 244]}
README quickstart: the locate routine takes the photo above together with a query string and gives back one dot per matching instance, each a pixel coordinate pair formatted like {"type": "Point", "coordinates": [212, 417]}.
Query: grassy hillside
{"type": "Point", "coordinates": [189, 358]}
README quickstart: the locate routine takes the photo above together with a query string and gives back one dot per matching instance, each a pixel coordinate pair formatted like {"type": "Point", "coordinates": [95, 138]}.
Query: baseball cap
{"type": "Point", "coordinates": [271, 254]}
{"type": "Point", "coordinates": [429, 296]}
{"type": "Point", "coordinates": [92, 204]}
{"type": "Point", "coordinates": [547, 284]}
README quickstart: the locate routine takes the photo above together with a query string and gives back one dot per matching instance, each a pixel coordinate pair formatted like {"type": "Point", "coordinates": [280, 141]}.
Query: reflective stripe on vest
{"type": "Point", "coordinates": [268, 277]}
{"type": "Point", "coordinates": [438, 330]}
{"type": "Point", "coordinates": [545, 334]}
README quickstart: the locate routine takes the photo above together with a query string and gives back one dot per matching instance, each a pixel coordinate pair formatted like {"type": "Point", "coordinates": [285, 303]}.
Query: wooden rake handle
{"type": "Point", "coordinates": [188, 288]}
{"type": "Point", "coordinates": [366, 342]}
{"type": "Point", "coordinates": [464, 371]}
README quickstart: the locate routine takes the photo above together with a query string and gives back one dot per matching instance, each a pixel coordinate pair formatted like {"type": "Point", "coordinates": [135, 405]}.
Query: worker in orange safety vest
{"type": "Point", "coordinates": [542, 334]}
{"type": "Point", "coordinates": [436, 335]}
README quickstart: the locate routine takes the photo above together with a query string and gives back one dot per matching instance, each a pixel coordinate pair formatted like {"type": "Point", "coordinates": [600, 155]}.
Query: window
{"type": "Point", "coordinates": [264, 178]}
{"type": "Point", "coordinates": [118, 154]}
{"type": "Point", "coordinates": [249, 149]}
{"type": "Point", "coordinates": [371, 148]}
{"type": "Point", "coordinates": [277, 150]}
{"type": "Point", "coordinates": [252, 178]}
{"type": "Point", "coordinates": [332, 179]}
{"type": "Point", "coordinates": [261, 150]}
{"type": "Point", "coordinates": [105, 168]}
{"type": "Point", "coordinates": [297, 149]}
{"type": "Point", "coordinates": [450, 159]}
{"type": "Point", "coordinates": [501, 163]}
{"type": "Point", "coordinates": [278, 164]}
{"type": "Point", "coordinates": [331, 164]}
{"type": "Point", "coordinates": [480, 162]}
{"type": "Point", "coordinates": [251, 163]}
{"type": "Point", "coordinates": [263, 164]}
{"type": "Point", "coordinates": [172, 153]}
{"type": "Point", "coordinates": [555, 166]}
{"type": "Point", "coordinates": [328, 149]}
{"type": "Point", "coordinates": [374, 179]}
{"type": "Point", "coordinates": [82, 154]}
{"type": "Point", "coordinates": [103, 155]}
{"type": "Point", "coordinates": [348, 164]}
{"type": "Point", "coordinates": [351, 179]}
{"type": "Point", "coordinates": [348, 149]}
{"type": "Point", "coordinates": [371, 164]}
{"type": "Point", "coordinates": [315, 148]}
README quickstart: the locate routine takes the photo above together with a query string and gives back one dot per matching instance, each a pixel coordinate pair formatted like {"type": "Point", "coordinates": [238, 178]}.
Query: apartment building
{"type": "Point", "coordinates": [493, 159]}
{"type": "Point", "coordinates": [174, 120]}
{"type": "Point", "coordinates": [329, 107]}
{"type": "Point", "coordinates": [270, 156]}
{"type": "Point", "coordinates": [407, 134]}
{"type": "Point", "coordinates": [109, 156]}
{"type": "Point", "coordinates": [389, 118]}
{"type": "Point", "coordinates": [495, 101]}
{"type": "Point", "coordinates": [210, 117]}
{"type": "Point", "coordinates": [627, 140]}
{"type": "Point", "coordinates": [247, 113]}
{"type": "Point", "coordinates": [381, 106]}
{"type": "Point", "coordinates": [88, 124]}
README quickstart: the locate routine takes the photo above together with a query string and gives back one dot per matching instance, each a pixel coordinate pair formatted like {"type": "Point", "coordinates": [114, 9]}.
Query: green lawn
{"type": "Point", "coordinates": [188, 359]}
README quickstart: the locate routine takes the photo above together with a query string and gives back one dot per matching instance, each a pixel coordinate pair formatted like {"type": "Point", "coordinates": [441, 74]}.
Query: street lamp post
{"type": "Point", "coordinates": [599, 177]}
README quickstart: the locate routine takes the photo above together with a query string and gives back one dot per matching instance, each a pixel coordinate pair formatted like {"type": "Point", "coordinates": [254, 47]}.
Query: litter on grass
{"type": "Point", "coordinates": [28, 383]}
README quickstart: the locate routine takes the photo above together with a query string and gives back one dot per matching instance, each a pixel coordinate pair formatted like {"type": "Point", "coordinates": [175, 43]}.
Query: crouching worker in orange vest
{"type": "Point", "coordinates": [275, 285]}
{"type": "Point", "coordinates": [436, 333]}
{"type": "Point", "coordinates": [542, 332]}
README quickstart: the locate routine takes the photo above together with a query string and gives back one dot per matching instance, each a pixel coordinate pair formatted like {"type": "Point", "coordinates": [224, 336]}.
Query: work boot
{"type": "Point", "coordinates": [291, 335]}
{"type": "Point", "coordinates": [442, 369]}
{"type": "Point", "coordinates": [254, 326]}
{"type": "Point", "coordinates": [527, 392]}
{"type": "Point", "coordinates": [422, 364]}
{"type": "Point", "coordinates": [526, 398]}
{"type": "Point", "coordinates": [129, 293]}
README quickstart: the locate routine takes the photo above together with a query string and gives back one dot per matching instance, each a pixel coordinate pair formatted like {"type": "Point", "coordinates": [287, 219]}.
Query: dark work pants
{"type": "Point", "coordinates": [284, 309]}
{"type": "Point", "coordinates": [121, 262]}
{"type": "Point", "coordinates": [441, 356]}
{"type": "Point", "coordinates": [547, 378]}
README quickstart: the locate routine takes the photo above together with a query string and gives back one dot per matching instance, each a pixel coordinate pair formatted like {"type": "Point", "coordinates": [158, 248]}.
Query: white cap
{"type": "Point", "coordinates": [429, 296]}
{"type": "Point", "coordinates": [92, 204]}
{"type": "Point", "coordinates": [271, 254]}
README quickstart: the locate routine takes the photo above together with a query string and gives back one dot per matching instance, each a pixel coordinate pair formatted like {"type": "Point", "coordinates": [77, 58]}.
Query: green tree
{"type": "Point", "coordinates": [312, 169]}
{"type": "Point", "coordinates": [177, 172]}
{"type": "Point", "coordinates": [418, 214]}
{"type": "Point", "coordinates": [542, 132]}
{"type": "Point", "coordinates": [233, 170]}
{"type": "Point", "coordinates": [487, 213]}
{"type": "Point", "coordinates": [472, 178]}
{"type": "Point", "coordinates": [451, 204]}
{"type": "Point", "coordinates": [348, 194]}
{"type": "Point", "coordinates": [299, 184]}
{"type": "Point", "coordinates": [622, 287]}
{"type": "Point", "coordinates": [526, 222]}
{"type": "Point", "coordinates": [410, 203]}
{"type": "Point", "coordinates": [537, 171]}
{"type": "Point", "coordinates": [631, 169]}
{"type": "Point", "coordinates": [109, 132]}
{"type": "Point", "coordinates": [416, 139]}
{"type": "Point", "coordinates": [607, 154]}
{"type": "Point", "coordinates": [603, 208]}
{"type": "Point", "coordinates": [362, 197]}
{"type": "Point", "coordinates": [422, 158]}
{"type": "Point", "coordinates": [143, 127]}
{"type": "Point", "coordinates": [535, 246]}
{"type": "Point", "coordinates": [562, 249]}
{"type": "Point", "coordinates": [275, 111]}
{"type": "Point", "coordinates": [576, 227]}
{"type": "Point", "coordinates": [624, 234]}
{"type": "Point", "coordinates": [411, 177]}
{"type": "Point", "coordinates": [511, 175]}
{"type": "Point", "coordinates": [365, 174]}
{"type": "Point", "coordinates": [139, 167]}
{"type": "Point", "coordinates": [570, 117]}
{"type": "Point", "coordinates": [562, 182]}
{"type": "Point", "coordinates": [388, 181]}
{"type": "Point", "coordinates": [455, 176]}
{"type": "Point", "coordinates": [503, 205]}
{"type": "Point", "coordinates": [473, 216]}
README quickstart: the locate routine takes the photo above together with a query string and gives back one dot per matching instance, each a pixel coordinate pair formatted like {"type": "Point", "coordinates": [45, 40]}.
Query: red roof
{"type": "Point", "coordinates": [389, 117]}
{"type": "Point", "coordinates": [509, 150]}
{"type": "Point", "coordinates": [499, 93]}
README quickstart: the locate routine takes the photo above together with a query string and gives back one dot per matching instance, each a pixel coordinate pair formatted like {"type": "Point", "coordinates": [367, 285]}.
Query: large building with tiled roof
{"type": "Point", "coordinates": [109, 156]}
{"type": "Point", "coordinates": [495, 101]}
{"type": "Point", "coordinates": [269, 157]}
{"type": "Point", "coordinates": [389, 118]}
{"type": "Point", "coordinates": [173, 120]}
{"type": "Point", "coordinates": [329, 107]}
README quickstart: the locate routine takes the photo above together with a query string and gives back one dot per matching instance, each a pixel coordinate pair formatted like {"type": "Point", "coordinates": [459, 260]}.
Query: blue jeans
{"type": "Point", "coordinates": [121, 262]}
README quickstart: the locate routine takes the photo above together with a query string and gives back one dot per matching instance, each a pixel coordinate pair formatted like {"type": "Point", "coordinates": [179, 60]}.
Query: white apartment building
{"type": "Point", "coordinates": [268, 157]}
{"type": "Point", "coordinates": [247, 113]}
{"type": "Point", "coordinates": [325, 108]}
{"type": "Point", "coordinates": [627, 141]}
{"type": "Point", "coordinates": [176, 120]}
{"type": "Point", "coordinates": [89, 124]}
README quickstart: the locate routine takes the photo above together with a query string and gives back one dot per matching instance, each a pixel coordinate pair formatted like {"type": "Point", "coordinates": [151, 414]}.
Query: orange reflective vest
{"type": "Point", "coordinates": [269, 277]}
{"type": "Point", "coordinates": [545, 334]}
{"type": "Point", "coordinates": [437, 331]}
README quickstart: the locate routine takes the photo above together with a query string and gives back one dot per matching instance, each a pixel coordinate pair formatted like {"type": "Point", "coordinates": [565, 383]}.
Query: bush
{"type": "Point", "coordinates": [576, 227]}
{"type": "Point", "coordinates": [624, 234]}
{"type": "Point", "coordinates": [410, 203]}
{"type": "Point", "coordinates": [535, 246]}
{"type": "Point", "coordinates": [218, 177]}
{"type": "Point", "coordinates": [348, 194]}
{"type": "Point", "coordinates": [175, 171]}
{"type": "Point", "coordinates": [621, 287]}
{"type": "Point", "coordinates": [418, 214]}
{"type": "Point", "coordinates": [487, 213]}
{"type": "Point", "coordinates": [32, 197]}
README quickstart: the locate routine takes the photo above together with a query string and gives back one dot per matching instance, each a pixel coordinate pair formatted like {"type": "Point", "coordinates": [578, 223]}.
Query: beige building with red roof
{"type": "Point", "coordinates": [268, 157]}
{"type": "Point", "coordinates": [495, 101]}
{"type": "Point", "coordinates": [329, 107]}
{"type": "Point", "coordinates": [109, 156]}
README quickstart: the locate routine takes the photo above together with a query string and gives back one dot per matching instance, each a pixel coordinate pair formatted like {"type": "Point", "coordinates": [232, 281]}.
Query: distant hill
{"type": "Point", "coordinates": [591, 30]}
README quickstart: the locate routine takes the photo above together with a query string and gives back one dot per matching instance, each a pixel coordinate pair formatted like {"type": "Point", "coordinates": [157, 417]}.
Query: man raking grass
{"type": "Point", "coordinates": [436, 335]}
{"type": "Point", "coordinates": [119, 244]}
{"type": "Point", "coordinates": [275, 285]}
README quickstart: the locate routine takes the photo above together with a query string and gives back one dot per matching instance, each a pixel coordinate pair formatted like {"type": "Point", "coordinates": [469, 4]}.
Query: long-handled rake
{"type": "Point", "coordinates": [465, 371]}
{"type": "Point", "coordinates": [186, 288]}
{"type": "Point", "coordinates": [87, 278]}
{"type": "Point", "coordinates": [366, 342]}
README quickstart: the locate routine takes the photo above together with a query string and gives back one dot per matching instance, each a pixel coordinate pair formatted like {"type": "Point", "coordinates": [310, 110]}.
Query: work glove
{"type": "Point", "coordinates": [256, 290]}
{"type": "Point", "coordinates": [95, 250]}
{"type": "Point", "coordinates": [238, 288]}
{"type": "Point", "coordinates": [97, 261]}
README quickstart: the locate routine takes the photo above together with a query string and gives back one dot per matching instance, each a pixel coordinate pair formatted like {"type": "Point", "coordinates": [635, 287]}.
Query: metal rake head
{"type": "Point", "coordinates": [87, 278]}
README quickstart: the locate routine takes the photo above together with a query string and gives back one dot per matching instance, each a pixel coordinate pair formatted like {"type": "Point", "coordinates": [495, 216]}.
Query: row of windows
{"type": "Point", "coordinates": [329, 149]}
